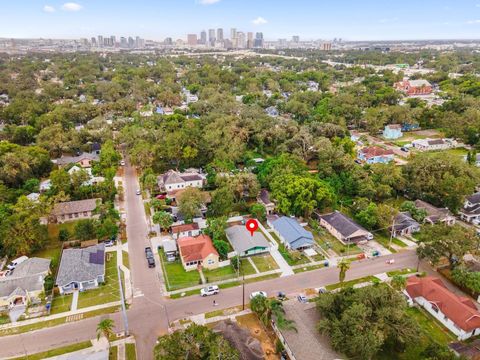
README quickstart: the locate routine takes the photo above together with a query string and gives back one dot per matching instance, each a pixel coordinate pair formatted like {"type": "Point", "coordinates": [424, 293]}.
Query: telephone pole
{"type": "Point", "coordinates": [122, 298]}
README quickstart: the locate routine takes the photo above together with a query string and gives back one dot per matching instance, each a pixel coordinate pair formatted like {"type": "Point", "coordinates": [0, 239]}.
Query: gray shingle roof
{"type": "Point", "coordinates": [293, 232]}
{"type": "Point", "coordinates": [64, 160]}
{"type": "Point", "coordinates": [71, 207]}
{"type": "Point", "coordinates": [474, 199]}
{"type": "Point", "coordinates": [343, 224]}
{"type": "Point", "coordinates": [81, 264]}
{"type": "Point", "coordinates": [404, 220]}
{"type": "Point", "coordinates": [242, 240]}
{"type": "Point", "coordinates": [28, 276]}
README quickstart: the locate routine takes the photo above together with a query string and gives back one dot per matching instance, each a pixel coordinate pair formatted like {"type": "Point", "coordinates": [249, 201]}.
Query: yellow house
{"type": "Point", "coordinates": [197, 251]}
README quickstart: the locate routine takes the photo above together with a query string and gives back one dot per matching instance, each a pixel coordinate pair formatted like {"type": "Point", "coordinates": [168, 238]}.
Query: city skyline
{"type": "Point", "coordinates": [347, 19]}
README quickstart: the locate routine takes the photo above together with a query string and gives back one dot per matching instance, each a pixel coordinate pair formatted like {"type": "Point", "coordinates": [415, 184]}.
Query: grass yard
{"type": "Point", "coordinates": [61, 303]}
{"type": "Point", "coordinates": [223, 273]}
{"type": "Point", "coordinates": [105, 293]}
{"type": "Point", "coordinates": [431, 327]}
{"type": "Point", "coordinates": [401, 272]}
{"type": "Point", "coordinates": [56, 352]}
{"type": "Point", "coordinates": [130, 351]}
{"type": "Point", "coordinates": [264, 262]}
{"type": "Point", "coordinates": [113, 353]}
{"type": "Point", "coordinates": [327, 241]}
{"type": "Point", "coordinates": [176, 276]}
{"type": "Point", "coordinates": [125, 259]}
{"type": "Point", "coordinates": [308, 268]}
{"type": "Point", "coordinates": [384, 239]}
{"type": "Point", "coordinates": [349, 283]}
{"type": "Point", "coordinates": [291, 257]}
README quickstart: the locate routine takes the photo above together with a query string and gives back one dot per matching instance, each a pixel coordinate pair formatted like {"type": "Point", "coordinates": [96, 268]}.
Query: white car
{"type": "Point", "coordinates": [138, 192]}
{"type": "Point", "coordinates": [122, 163]}
{"type": "Point", "coordinates": [16, 262]}
{"type": "Point", "coordinates": [258, 293]}
{"type": "Point", "coordinates": [210, 290]}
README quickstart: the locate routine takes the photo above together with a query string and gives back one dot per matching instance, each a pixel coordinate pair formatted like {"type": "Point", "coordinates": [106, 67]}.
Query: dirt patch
{"type": "Point", "coordinates": [266, 337]}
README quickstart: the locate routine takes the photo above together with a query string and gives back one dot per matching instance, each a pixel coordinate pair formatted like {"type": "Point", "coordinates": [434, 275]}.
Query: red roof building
{"type": "Point", "coordinates": [183, 230]}
{"type": "Point", "coordinates": [197, 251]}
{"type": "Point", "coordinates": [375, 154]}
{"type": "Point", "coordinates": [459, 314]}
{"type": "Point", "coordinates": [414, 87]}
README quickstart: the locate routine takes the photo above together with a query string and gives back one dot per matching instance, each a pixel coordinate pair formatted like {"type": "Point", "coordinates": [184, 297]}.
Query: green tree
{"type": "Point", "coordinates": [64, 234]}
{"type": "Point", "coordinates": [268, 309]}
{"type": "Point", "coordinates": [216, 228]}
{"type": "Point", "coordinates": [163, 219]}
{"type": "Point", "coordinates": [85, 230]}
{"type": "Point", "coordinates": [398, 282]}
{"type": "Point", "coordinates": [60, 181]}
{"type": "Point", "coordinates": [196, 342]}
{"type": "Point", "coordinates": [222, 202]}
{"type": "Point", "coordinates": [190, 202]}
{"type": "Point", "coordinates": [442, 241]}
{"type": "Point", "coordinates": [222, 247]}
{"type": "Point", "coordinates": [343, 266]}
{"type": "Point", "coordinates": [105, 328]}
{"type": "Point", "coordinates": [258, 211]}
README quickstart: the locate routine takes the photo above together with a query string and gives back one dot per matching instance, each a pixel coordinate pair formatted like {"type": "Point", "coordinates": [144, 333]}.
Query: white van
{"type": "Point", "coordinates": [16, 262]}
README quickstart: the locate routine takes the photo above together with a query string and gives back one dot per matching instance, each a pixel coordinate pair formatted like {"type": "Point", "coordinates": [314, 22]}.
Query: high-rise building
{"type": "Point", "coordinates": [113, 40]}
{"type": "Point", "coordinates": [123, 42]}
{"type": "Point", "coordinates": [203, 37]}
{"type": "Point", "coordinates": [100, 40]}
{"type": "Point", "coordinates": [94, 41]}
{"type": "Point", "coordinates": [241, 40]}
{"type": "Point", "coordinates": [233, 37]}
{"type": "Point", "coordinates": [249, 39]}
{"type": "Point", "coordinates": [258, 43]}
{"type": "Point", "coordinates": [211, 37]}
{"type": "Point", "coordinates": [131, 42]}
{"type": "Point", "coordinates": [168, 41]}
{"type": "Point", "coordinates": [295, 38]}
{"type": "Point", "coordinates": [220, 35]}
{"type": "Point", "coordinates": [192, 39]}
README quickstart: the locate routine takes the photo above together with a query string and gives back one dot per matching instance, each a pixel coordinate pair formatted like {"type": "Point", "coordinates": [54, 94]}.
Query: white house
{"type": "Point", "coordinates": [434, 144]}
{"type": "Point", "coordinates": [458, 314]}
{"type": "Point", "coordinates": [471, 209]}
{"type": "Point", "coordinates": [174, 180]}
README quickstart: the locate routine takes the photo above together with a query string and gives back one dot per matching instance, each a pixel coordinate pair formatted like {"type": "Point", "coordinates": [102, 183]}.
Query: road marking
{"type": "Point", "coordinates": [72, 318]}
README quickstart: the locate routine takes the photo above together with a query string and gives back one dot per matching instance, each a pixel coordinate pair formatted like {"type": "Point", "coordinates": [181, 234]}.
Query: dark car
{"type": "Point", "coordinates": [151, 262]}
{"type": "Point", "coordinates": [404, 149]}
{"type": "Point", "coordinates": [148, 252]}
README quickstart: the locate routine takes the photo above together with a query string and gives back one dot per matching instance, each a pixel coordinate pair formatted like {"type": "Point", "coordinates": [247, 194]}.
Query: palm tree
{"type": "Point", "coordinates": [343, 266]}
{"type": "Point", "coordinates": [105, 328]}
{"type": "Point", "coordinates": [398, 282]}
{"type": "Point", "coordinates": [267, 308]}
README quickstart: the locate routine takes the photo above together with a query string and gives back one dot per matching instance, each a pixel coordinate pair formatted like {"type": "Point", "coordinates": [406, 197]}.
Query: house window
{"type": "Point", "coordinates": [76, 215]}
{"type": "Point", "coordinates": [435, 308]}
{"type": "Point", "coordinates": [210, 262]}
{"type": "Point", "coordinates": [70, 216]}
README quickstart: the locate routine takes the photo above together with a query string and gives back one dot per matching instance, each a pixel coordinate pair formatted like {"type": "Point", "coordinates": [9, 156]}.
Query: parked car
{"type": "Point", "coordinates": [151, 262]}
{"type": "Point", "coordinates": [209, 290]}
{"type": "Point", "coordinates": [122, 163]}
{"type": "Point", "coordinates": [258, 293]}
{"type": "Point", "coordinates": [148, 252]}
{"type": "Point", "coordinates": [404, 149]}
{"type": "Point", "coordinates": [390, 261]}
{"type": "Point", "coordinates": [281, 296]}
{"type": "Point", "coordinates": [322, 290]}
{"type": "Point", "coordinates": [138, 192]}
{"type": "Point", "coordinates": [302, 298]}
{"type": "Point", "coordinates": [171, 258]}
{"type": "Point", "coordinates": [14, 263]}
{"type": "Point", "coordinates": [109, 243]}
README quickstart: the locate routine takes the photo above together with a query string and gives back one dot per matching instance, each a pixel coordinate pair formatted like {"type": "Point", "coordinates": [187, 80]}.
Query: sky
{"type": "Point", "coordinates": [310, 19]}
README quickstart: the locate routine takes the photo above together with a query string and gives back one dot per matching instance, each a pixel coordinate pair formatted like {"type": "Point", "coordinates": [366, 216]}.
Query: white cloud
{"type": "Point", "coordinates": [259, 21]}
{"type": "Point", "coordinates": [208, 2]}
{"type": "Point", "coordinates": [48, 8]}
{"type": "Point", "coordinates": [473, 22]}
{"type": "Point", "coordinates": [71, 6]}
{"type": "Point", "coordinates": [477, 5]}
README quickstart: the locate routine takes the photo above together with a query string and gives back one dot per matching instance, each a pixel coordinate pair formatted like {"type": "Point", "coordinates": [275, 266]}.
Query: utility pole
{"type": "Point", "coordinates": [122, 298]}
{"type": "Point", "coordinates": [243, 291]}
{"type": "Point", "coordinates": [391, 232]}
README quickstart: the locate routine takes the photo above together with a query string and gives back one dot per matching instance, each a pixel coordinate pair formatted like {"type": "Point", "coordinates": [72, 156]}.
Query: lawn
{"type": "Point", "coordinates": [384, 239]}
{"type": "Point", "coordinates": [105, 293]}
{"type": "Point", "coordinates": [130, 351]}
{"type": "Point", "coordinates": [401, 272]}
{"type": "Point", "coordinates": [308, 268]}
{"type": "Point", "coordinates": [431, 327]}
{"type": "Point", "coordinates": [61, 303]}
{"type": "Point", "coordinates": [327, 241]}
{"type": "Point", "coordinates": [56, 352]}
{"type": "Point", "coordinates": [350, 283]}
{"type": "Point", "coordinates": [125, 259]}
{"type": "Point", "coordinates": [222, 273]}
{"type": "Point", "coordinates": [175, 275]}
{"type": "Point", "coordinates": [264, 263]}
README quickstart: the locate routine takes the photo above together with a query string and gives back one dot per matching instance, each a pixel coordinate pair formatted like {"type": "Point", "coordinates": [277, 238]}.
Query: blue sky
{"type": "Point", "coordinates": [311, 19]}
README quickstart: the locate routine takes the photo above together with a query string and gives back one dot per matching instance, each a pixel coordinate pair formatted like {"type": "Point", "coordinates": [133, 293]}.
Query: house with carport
{"type": "Point", "coordinates": [343, 228]}
{"type": "Point", "coordinates": [291, 233]}
{"type": "Point", "coordinates": [246, 244]}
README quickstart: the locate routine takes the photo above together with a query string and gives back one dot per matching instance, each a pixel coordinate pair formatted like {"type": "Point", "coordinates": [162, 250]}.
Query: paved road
{"type": "Point", "coordinates": [148, 314]}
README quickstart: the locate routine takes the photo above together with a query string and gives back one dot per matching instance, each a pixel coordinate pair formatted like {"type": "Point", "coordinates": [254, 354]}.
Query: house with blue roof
{"type": "Point", "coordinates": [291, 233]}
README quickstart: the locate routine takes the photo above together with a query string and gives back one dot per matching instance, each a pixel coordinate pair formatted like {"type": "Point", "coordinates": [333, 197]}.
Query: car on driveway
{"type": "Point", "coordinates": [258, 293]}
{"type": "Point", "coordinates": [109, 243]}
{"type": "Point", "coordinates": [209, 290]}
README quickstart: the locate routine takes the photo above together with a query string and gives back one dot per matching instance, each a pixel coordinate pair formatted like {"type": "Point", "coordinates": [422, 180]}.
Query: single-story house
{"type": "Point", "coordinates": [392, 131]}
{"type": "Point", "coordinates": [375, 154]}
{"type": "Point", "coordinates": [343, 228]}
{"type": "Point", "coordinates": [175, 180]}
{"type": "Point", "coordinates": [81, 269]}
{"type": "Point", "coordinates": [458, 314]}
{"type": "Point", "coordinates": [33, 197]}
{"type": "Point", "coordinates": [264, 199]}
{"type": "Point", "coordinates": [197, 251]}
{"type": "Point", "coordinates": [291, 233]}
{"type": "Point", "coordinates": [74, 210]}
{"type": "Point", "coordinates": [414, 87]}
{"type": "Point", "coordinates": [183, 230]}
{"type": "Point", "coordinates": [244, 243]}
{"type": "Point", "coordinates": [24, 285]}
{"type": "Point", "coordinates": [435, 214]}
{"type": "Point", "coordinates": [404, 225]}
{"type": "Point", "coordinates": [434, 144]}
{"type": "Point", "coordinates": [84, 160]}
{"type": "Point", "coordinates": [471, 209]}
